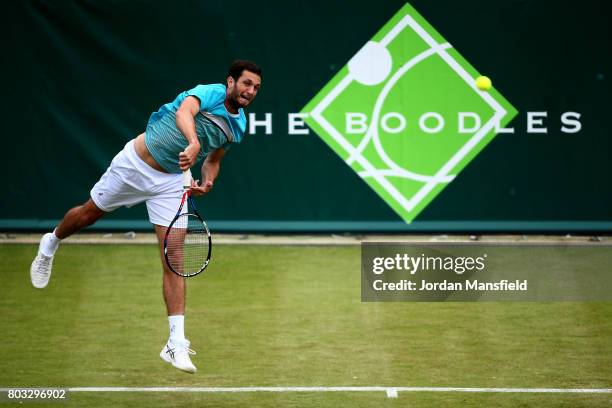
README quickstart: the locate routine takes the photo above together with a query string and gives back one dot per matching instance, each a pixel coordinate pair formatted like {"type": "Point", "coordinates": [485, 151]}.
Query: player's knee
{"type": "Point", "coordinates": [174, 253]}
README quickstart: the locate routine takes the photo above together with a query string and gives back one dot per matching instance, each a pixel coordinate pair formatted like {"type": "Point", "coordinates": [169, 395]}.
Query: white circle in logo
{"type": "Point", "coordinates": [371, 65]}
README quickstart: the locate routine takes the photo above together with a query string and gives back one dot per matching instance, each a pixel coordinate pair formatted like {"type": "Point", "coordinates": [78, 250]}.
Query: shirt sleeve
{"type": "Point", "coordinates": [209, 95]}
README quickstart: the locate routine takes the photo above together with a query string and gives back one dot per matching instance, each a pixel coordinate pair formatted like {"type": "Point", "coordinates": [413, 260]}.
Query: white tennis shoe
{"type": "Point", "coordinates": [40, 271]}
{"type": "Point", "coordinates": [177, 354]}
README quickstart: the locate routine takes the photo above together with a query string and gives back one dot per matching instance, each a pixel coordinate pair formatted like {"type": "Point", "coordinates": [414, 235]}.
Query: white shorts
{"type": "Point", "coordinates": [129, 181]}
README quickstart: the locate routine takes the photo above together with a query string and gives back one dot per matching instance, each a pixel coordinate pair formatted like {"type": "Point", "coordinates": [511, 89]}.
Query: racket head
{"type": "Point", "coordinates": [187, 245]}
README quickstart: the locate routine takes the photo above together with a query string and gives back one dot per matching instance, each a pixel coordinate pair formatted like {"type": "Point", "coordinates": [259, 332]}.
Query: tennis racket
{"type": "Point", "coordinates": [187, 244]}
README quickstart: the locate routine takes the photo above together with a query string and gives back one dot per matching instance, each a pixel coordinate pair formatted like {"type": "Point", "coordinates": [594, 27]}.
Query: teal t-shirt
{"type": "Point", "coordinates": [215, 126]}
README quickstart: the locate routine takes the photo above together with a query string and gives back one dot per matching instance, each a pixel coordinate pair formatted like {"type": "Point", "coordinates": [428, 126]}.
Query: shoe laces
{"type": "Point", "coordinates": [43, 261]}
{"type": "Point", "coordinates": [182, 349]}
{"type": "Point", "coordinates": [186, 350]}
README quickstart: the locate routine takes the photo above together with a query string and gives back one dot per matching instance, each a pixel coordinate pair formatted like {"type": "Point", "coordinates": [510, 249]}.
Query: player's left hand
{"type": "Point", "coordinates": [198, 190]}
{"type": "Point", "coordinates": [189, 156]}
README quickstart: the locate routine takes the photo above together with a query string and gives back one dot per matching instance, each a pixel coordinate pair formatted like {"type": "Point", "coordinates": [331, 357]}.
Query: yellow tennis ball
{"type": "Point", "coordinates": [483, 83]}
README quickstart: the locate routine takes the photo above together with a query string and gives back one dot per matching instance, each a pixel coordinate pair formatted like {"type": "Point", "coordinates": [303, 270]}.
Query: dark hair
{"type": "Point", "coordinates": [238, 66]}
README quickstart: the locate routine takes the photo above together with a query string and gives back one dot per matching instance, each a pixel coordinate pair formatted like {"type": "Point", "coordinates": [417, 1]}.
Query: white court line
{"type": "Point", "coordinates": [391, 392]}
{"type": "Point", "coordinates": [388, 390]}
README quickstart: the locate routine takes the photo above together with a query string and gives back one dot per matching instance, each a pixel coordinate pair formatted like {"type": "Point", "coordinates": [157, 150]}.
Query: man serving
{"type": "Point", "coordinates": [200, 124]}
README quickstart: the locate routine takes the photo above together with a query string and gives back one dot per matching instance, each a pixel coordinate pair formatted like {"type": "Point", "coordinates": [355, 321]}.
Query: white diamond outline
{"type": "Point", "coordinates": [410, 204]}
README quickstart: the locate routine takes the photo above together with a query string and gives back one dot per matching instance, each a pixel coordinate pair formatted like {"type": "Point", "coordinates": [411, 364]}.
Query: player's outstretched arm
{"type": "Point", "coordinates": [210, 171]}
{"type": "Point", "coordinates": [185, 122]}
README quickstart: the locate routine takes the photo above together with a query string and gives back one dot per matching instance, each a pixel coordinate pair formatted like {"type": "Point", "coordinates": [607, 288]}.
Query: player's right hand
{"type": "Point", "coordinates": [188, 157]}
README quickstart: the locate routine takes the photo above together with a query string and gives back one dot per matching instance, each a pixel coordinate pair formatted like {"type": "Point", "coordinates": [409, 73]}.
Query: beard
{"type": "Point", "coordinates": [237, 102]}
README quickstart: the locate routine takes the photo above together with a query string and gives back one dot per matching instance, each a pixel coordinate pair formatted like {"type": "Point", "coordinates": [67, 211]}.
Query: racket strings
{"type": "Point", "coordinates": [187, 245]}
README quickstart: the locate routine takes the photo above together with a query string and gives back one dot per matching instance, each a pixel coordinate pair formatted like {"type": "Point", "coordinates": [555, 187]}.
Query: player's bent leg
{"type": "Point", "coordinates": [176, 351]}
{"type": "Point", "coordinates": [75, 219]}
{"type": "Point", "coordinates": [78, 218]}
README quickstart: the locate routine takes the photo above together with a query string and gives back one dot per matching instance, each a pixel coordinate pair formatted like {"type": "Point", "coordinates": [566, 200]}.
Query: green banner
{"type": "Point", "coordinates": [368, 118]}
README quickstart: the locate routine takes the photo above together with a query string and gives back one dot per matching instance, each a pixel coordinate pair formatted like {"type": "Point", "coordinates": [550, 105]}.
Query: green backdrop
{"type": "Point", "coordinates": [80, 78]}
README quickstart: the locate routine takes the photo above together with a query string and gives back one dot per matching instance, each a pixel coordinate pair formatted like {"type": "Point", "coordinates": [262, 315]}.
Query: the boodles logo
{"type": "Point", "coordinates": [405, 113]}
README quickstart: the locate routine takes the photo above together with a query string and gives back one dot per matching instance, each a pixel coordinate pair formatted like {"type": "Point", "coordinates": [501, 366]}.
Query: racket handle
{"type": "Point", "coordinates": [187, 179]}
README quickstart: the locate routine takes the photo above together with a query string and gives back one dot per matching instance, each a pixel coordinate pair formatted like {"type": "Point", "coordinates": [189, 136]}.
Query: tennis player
{"type": "Point", "coordinates": [200, 124]}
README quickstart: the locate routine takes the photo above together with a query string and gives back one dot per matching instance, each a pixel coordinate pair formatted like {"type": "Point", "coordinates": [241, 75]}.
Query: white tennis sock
{"type": "Point", "coordinates": [177, 328]}
{"type": "Point", "coordinates": [49, 244]}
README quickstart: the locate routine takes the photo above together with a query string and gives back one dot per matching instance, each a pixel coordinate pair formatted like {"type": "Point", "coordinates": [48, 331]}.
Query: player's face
{"type": "Point", "coordinates": [242, 91]}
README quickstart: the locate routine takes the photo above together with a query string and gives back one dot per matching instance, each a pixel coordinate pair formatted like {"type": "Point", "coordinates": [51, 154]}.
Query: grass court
{"type": "Point", "coordinates": [285, 316]}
